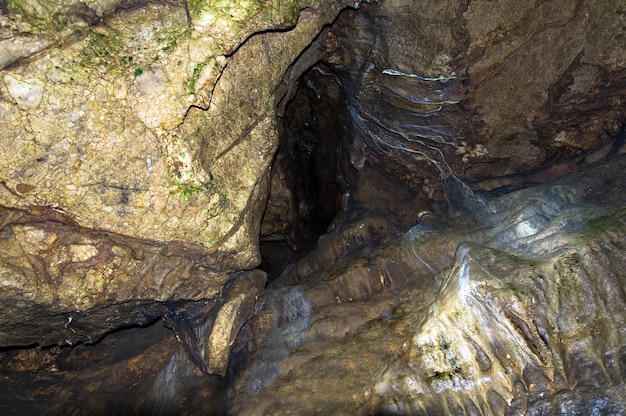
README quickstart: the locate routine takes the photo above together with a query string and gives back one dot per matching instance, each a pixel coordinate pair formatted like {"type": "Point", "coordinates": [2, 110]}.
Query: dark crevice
{"type": "Point", "coordinates": [308, 174]}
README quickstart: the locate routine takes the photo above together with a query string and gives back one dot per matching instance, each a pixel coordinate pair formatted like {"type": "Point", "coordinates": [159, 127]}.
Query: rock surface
{"type": "Point", "coordinates": [144, 97]}
{"type": "Point", "coordinates": [129, 175]}
{"type": "Point", "coordinates": [518, 312]}
{"type": "Point", "coordinates": [433, 190]}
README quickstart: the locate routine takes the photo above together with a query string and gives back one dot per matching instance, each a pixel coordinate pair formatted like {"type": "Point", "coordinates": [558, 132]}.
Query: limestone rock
{"type": "Point", "coordinates": [446, 206]}
{"type": "Point", "coordinates": [207, 332]}
{"type": "Point", "coordinates": [137, 143]}
{"type": "Point", "coordinates": [532, 304]}
{"type": "Point", "coordinates": [144, 97]}
{"type": "Point", "coordinates": [93, 282]}
{"type": "Point", "coordinates": [526, 94]}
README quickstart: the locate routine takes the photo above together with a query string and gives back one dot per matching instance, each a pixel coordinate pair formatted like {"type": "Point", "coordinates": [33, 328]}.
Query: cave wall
{"type": "Point", "coordinates": [453, 282]}
{"type": "Point", "coordinates": [149, 145]}
{"type": "Point", "coordinates": [137, 143]}
{"type": "Point", "coordinates": [469, 105]}
{"type": "Point", "coordinates": [505, 91]}
{"type": "Point", "coordinates": [451, 103]}
{"type": "Point", "coordinates": [520, 312]}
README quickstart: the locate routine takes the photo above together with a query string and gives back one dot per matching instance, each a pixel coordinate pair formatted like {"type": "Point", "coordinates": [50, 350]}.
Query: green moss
{"type": "Point", "coordinates": [186, 192]}
{"type": "Point", "coordinates": [195, 7]}
{"type": "Point", "coordinates": [106, 48]}
{"type": "Point", "coordinates": [224, 203]}
{"type": "Point", "coordinates": [517, 291]}
{"type": "Point", "coordinates": [189, 190]}
{"type": "Point", "coordinates": [242, 13]}
{"type": "Point", "coordinates": [170, 44]}
{"type": "Point", "coordinates": [599, 225]}
{"type": "Point", "coordinates": [37, 20]}
{"type": "Point", "coordinates": [197, 70]}
{"type": "Point", "coordinates": [284, 12]}
{"type": "Point", "coordinates": [215, 236]}
{"type": "Point", "coordinates": [119, 52]}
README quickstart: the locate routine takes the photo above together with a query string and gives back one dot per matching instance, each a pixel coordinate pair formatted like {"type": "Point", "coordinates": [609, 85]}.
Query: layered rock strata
{"type": "Point", "coordinates": [520, 311]}
{"type": "Point", "coordinates": [140, 149]}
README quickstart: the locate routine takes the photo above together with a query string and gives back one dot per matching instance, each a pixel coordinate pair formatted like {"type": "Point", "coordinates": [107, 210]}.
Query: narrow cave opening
{"type": "Point", "coordinates": [310, 173]}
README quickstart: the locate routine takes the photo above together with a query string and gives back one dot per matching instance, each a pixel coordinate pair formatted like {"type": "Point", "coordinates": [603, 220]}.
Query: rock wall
{"type": "Point", "coordinates": [471, 153]}
{"type": "Point", "coordinates": [138, 137]}
{"type": "Point", "coordinates": [520, 312]}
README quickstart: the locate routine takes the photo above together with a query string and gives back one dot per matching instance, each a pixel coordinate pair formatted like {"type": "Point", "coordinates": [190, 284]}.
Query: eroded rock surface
{"type": "Point", "coordinates": [138, 138]}
{"type": "Point", "coordinates": [517, 312]}
{"type": "Point", "coordinates": [437, 189]}
{"type": "Point", "coordinates": [137, 89]}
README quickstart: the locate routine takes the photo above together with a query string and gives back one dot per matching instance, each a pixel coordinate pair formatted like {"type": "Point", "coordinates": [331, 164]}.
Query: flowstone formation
{"type": "Point", "coordinates": [517, 312]}
{"type": "Point", "coordinates": [436, 290]}
{"type": "Point", "coordinates": [313, 207]}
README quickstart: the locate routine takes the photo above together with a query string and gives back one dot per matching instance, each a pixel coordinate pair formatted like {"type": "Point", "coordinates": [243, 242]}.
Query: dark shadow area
{"type": "Point", "coordinates": [121, 374]}
{"type": "Point", "coordinates": [309, 172]}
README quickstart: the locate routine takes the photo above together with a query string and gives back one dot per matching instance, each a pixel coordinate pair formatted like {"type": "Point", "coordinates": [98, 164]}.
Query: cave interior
{"type": "Point", "coordinates": [368, 156]}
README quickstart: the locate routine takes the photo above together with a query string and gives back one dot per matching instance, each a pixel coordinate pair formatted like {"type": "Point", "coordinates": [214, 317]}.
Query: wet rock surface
{"type": "Point", "coordinates": [312, 207]}
{"type": "Point", "coordinates": [516, 312]}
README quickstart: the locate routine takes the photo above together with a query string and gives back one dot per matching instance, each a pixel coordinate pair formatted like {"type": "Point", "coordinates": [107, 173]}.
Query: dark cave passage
{"type": "Point", "coordinates": [310, 173]}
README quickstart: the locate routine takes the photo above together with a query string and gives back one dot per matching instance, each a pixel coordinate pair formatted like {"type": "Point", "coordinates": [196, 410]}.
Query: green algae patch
{"type": "Point", "coordinates": [210, 63]}
{"type": "Point", "coordinates": [36, 18]}
{"type": "Point", "coordinates": [246, 15]}
{"type": "Point", "coordinates": [121, 52]}
{"type": "Point", "coordinates": [600, 225]}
